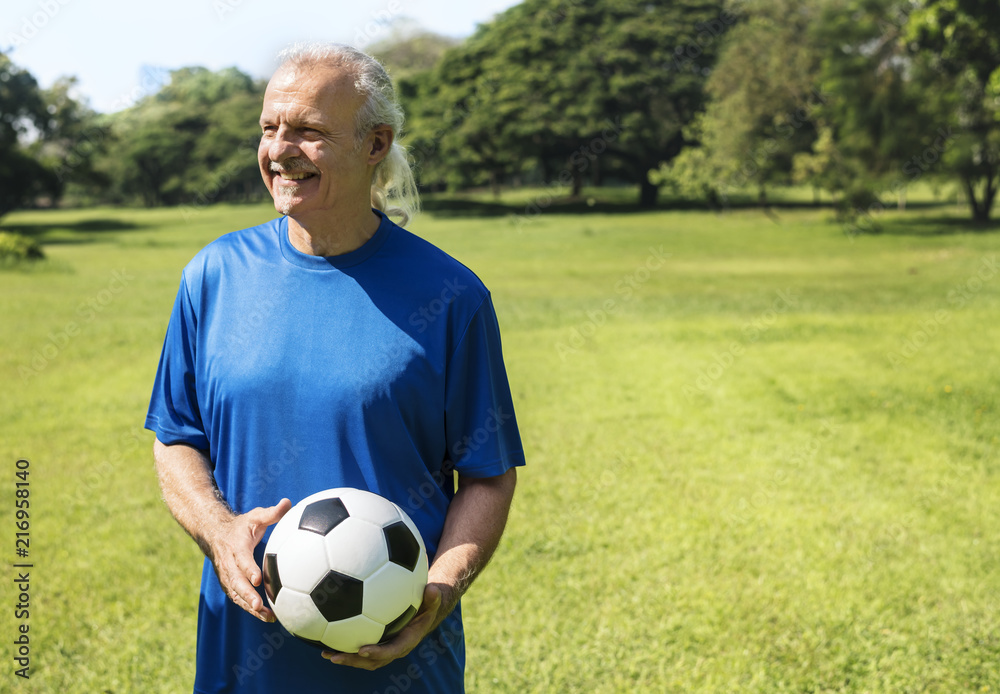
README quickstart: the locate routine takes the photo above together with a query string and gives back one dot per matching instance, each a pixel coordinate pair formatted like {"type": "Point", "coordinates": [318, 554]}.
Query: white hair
{"type": "Point", "coordinates": [394, 190]}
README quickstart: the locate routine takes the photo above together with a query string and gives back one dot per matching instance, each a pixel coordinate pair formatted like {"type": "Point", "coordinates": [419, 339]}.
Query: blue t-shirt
{"type": "Point", "coordinates": [379, 369]}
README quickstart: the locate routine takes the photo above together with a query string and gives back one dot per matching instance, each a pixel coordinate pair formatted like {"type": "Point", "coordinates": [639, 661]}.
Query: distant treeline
{"type": "Point", "coordinates": [858, 98]}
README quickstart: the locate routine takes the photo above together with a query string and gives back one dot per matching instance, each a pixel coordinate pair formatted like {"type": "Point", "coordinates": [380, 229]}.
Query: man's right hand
{"type": "Point", "coordinates": [230, 546]}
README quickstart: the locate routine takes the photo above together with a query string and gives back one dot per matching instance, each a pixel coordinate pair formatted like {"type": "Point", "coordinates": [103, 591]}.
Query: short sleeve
{"type": "Point", "coordinates": [481, 429]}
{"type": "Point", "coordinates": [174, 414]}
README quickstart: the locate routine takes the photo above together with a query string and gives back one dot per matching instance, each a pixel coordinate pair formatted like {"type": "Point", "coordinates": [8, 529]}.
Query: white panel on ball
{"type": "Point", "coordinates": [284, 529]}
{"type": "Point", "coordinates": [370, 507]}
{"type": "Point", "coordinates": [302, 561]}
{"type": "Point", "coordinates": [356, 548]}
{"type": "Point", "coordinates": [388, 592]}
{"type": "Point", "coordinates": [349, 635]}
{"type": "Point", "coordinates": [299, 615]}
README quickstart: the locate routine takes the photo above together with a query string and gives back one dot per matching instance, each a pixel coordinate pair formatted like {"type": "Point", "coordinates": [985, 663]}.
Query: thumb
{"type": "Point", "coordinates": [278, 510]}
{"type": "Point", "coordinates": [262, 517]}
{"type": "Point", "coordinates": [432, 599]}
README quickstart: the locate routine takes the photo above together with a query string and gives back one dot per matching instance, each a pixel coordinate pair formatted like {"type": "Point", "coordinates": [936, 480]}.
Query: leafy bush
{"type": "Point", "coordinates": [15, 248]}
{"type": "Point", "coordinates": [855, 209]}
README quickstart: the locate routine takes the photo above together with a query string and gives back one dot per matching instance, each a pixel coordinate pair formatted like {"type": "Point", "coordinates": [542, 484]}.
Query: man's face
{"type": "Point", "coordinates": [308, 155]}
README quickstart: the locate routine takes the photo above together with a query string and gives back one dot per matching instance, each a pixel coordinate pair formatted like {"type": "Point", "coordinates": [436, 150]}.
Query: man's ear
{"type": "Point", "coordinates": [381, 138]}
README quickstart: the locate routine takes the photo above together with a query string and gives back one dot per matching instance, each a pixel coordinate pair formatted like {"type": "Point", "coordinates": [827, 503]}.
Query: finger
{"type": "Point", "coordinates": [248, 571]}
{"type": "Point", "coordinates": [244, 560]}
{"type": "Point", "coordinates": [261, 518]}
{"type": "Point", "coordinates": [264, 615]}
{"type": "Point", "coordinates": [256, 607]}
{"type": "Point", "coordinates": [408, 637]}
{"type": "Point", "coordinates": [239, 580]}
{"type": "Point", "coordinates": [354, 660]}
{"type": "Point", "coordinates": [431, 603]}
{"type": "Point", "coordinates": [272, 514]}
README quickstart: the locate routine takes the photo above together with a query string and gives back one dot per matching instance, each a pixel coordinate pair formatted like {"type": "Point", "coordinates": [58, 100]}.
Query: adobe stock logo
{"type": "Point", "coordinates": [30, 26]}
{"type": "Point", "coordinates": [88, 310]}
{"type": "Point", "coordinates": [785, 301]}
{"type": "Point", "coordinates": [626, 288]}
{"type": "Point", "coordinates": [495, 419]}
{"type": "Point", "coordinates": [429, 312]}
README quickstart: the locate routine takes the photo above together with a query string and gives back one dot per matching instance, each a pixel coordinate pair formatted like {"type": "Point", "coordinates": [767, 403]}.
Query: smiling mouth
{"type": "Point", "coordinates": [295, 176]}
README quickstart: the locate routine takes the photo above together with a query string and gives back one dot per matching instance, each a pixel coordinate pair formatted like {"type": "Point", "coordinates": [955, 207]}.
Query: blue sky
{"type": "Point", "coordinates": [108, 44]}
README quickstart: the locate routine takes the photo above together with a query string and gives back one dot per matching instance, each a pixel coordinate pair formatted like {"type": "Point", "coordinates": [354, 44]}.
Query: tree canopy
{"type": "Point", "coordinates": [22, 111]}
{"type": "Point", "coordinates": [860, 98]}
{"type": "Point", "coordinates": [572, 88]}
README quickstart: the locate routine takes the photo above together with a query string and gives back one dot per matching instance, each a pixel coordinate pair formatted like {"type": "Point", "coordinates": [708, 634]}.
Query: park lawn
{"type": "Point", "coordinates": [762, 453]}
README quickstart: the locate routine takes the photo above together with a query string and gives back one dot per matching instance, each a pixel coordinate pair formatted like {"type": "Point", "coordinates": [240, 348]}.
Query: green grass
{"type": "Point", "coordinates": [727, 491]}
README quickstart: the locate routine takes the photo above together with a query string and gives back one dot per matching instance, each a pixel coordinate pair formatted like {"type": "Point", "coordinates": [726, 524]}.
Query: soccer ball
{"type": "Point", "coordinates": [345, 568]}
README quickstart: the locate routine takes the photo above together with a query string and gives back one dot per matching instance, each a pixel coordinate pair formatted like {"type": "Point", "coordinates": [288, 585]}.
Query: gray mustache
{"type": "Point", "coordinates": [294, 165]}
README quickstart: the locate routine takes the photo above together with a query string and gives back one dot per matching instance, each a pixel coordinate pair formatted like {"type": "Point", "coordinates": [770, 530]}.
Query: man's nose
{"type": "Point", "coordinates": [283, 145]}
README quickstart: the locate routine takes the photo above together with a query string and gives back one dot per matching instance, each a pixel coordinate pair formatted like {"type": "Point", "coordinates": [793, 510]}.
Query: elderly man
{"type": "Point", "coordinates": [327, 348]}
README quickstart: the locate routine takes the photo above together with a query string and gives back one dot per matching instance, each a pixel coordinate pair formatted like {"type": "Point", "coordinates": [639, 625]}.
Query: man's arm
{"type": "Point", "coordinates": [472, 529]}
{"type": "Point", "coordinates": [226, 538]}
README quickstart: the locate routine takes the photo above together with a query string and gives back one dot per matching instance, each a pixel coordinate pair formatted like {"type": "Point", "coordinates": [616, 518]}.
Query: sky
{"type": "Point", "coordinates": [118, 49]}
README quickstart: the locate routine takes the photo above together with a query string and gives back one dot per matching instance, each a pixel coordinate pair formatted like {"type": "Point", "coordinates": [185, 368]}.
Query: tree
{"type": "Point", "coordinates": [22, 114]}
{"type": "Point", "coordinates": [956, 49]}
{"type": "Point", "coordinates": [194, 141]}
{"type": "Point", "coordinates": [763, 99]}
{"type": "Point", "coordinates": [409, 50]}
{"type": "Point", "coordinates": [874, 110]}
{"type": "Point", "coordinates": [72, 141]}
{"type": "Point", "coordinates": [572, 86]}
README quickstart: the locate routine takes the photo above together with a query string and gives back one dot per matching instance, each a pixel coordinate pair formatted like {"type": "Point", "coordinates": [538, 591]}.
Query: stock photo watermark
{"type": "Point", "coordinates": [221, 178]}
{"type": "Point", "coordinates": [35, 22]}
{"type": "Point", "coordinates": [757, 158]}
{"type": "Point", "coordinates": [88, 310]}
{"type": "Point", "coordinates": [863, 218]}
{"type": "Point", "coordinates": [764, 493]}
{"type": "Point", "coordinates": [752, 331]}
{"type": "Point", "coordinates": [625, 289]}
{"type": "Point", "coordinates": [579, 161]}
{"type": "Point", "coordinates": [22, 567]}
{"type": "Point", "coordinates": [422, 318]}
{"type": "Point", "coordinates": [929, 328]}
{"type": "Point", "coordinates": [932, 498]}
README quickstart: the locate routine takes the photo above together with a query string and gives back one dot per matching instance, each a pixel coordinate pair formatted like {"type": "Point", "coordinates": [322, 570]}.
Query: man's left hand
{"type": "Point", "coordinates": [375, 656]}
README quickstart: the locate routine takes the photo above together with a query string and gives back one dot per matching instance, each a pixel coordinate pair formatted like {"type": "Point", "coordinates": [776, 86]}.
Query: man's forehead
{"type": "Point", "coordinates": [313, 93]}
{"type": "Point", "coordinates": [317, 82]}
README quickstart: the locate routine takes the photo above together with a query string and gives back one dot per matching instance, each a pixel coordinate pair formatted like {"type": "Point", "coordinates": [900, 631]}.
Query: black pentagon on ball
{"type": "Point", "coordinates": [403, 547]}
{"type": "Point", "coordinates": [272, 582]}
{"type": "Point", "coordinates": [323, 516]}
{"type": "Point", "coordinates": [338, 596]}
{"type": "Point", "coordinates": [396, 625]}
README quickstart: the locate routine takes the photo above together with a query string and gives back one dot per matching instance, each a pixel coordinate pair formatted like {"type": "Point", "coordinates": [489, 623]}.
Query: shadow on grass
{"type": "Point", "coordinates": [936, 226]}
{"type": "Point", "coordinates": [84, 231]}
{"type": "Point", "coordinates": [442, 206]}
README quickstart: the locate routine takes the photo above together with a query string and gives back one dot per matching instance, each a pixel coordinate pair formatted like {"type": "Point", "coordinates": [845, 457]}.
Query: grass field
{"type": "Point", "coordinates": [762, 454]}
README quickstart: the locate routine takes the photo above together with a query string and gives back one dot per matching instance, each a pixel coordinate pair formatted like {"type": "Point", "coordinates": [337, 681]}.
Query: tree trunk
{"type": "Point", "coordinates": [981, 208]}
{"type": "Point", "coordinates": [647, 193]}
{"type": "Point", "coordinates": [577, 184]}
{"type": "Point", "coordinates": [495, 184]}
{"type": "Point", "coordinates": [901, 199]}
{"type": "Point", "coordinates": [546, 171]}
{"type": "Point", "coordinates": [989, 196]}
